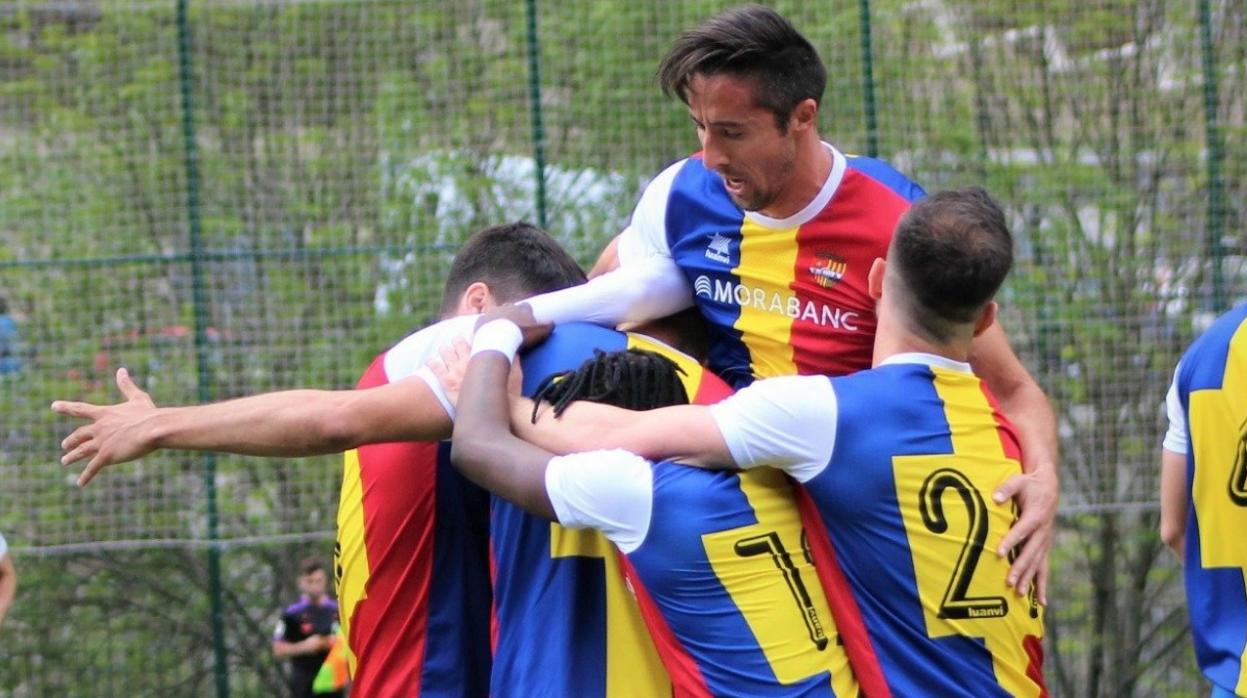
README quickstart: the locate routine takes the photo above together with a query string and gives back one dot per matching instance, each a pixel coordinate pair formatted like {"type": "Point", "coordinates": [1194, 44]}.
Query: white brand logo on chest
{"type": "Point", "coordinates": [719, 249]}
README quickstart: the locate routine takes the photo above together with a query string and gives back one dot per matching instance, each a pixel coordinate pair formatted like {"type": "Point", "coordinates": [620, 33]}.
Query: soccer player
{"type": "Point", "coordinates": [412, 546]}
{"type": "Point", "coordinates": [715, 558]}
{"type": "Point", "coordinates": [770, 232]}
{"type": "Point", "coordinates": [8, 579]}
{"type": "Point", "coordinates": [898, 461]}
{"type": "Point", "coordinates": [1203, 495]}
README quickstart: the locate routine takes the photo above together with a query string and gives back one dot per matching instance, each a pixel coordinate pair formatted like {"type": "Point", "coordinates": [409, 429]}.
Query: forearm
{"type": "Point", "coordinates": [1028, 409]}
{"type": "Point", "coordinates": [289, 423]}
{"type": "Point", "coordinates": [482, 445]}
{"type": "Point", "coordinates": [584, 426]}
{"type": "Point", "coordinates": [646, 290]}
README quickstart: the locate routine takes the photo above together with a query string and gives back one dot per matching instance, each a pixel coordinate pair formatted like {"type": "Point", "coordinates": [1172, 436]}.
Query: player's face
{"type": "Point", "coordinates": [314, 584]}
{"type": "Point", "coordinates": [741, 141]}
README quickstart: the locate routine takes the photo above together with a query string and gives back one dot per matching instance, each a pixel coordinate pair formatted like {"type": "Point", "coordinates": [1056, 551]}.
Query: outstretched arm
{"type": "Point", "coordinates": [482, 446]}
{"type": "Point", "coordinates": [644, 290]}
{"type": "Point", "coordinates": [1038, 489]}
{"type": "Point", "coordinates": [288, 423]}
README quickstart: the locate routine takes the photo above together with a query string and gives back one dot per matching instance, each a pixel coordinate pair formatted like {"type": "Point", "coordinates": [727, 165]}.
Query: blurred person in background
{"type": "Point", "coordinates": [305, 632]}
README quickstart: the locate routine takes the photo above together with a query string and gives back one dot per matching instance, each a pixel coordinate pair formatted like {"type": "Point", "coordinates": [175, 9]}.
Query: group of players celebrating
{"type": "Point", "coordinates": [845, 483]}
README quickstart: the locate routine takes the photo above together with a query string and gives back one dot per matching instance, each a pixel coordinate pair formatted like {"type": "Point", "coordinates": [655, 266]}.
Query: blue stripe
{"type": "Point", "coordinates": [457, 654]}
{"type": "Point", "coordinates": [700, 215]}
{"type": "Point", "coordinates": [886, 175]}
{"type": "Point", "coordinates": [551, 612]}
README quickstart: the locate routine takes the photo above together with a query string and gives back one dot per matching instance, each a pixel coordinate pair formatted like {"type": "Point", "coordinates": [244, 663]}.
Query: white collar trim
{"type": "Point", "coordinates": [933, 360]}
{"type": "Point", "coordinates": [838, 165]}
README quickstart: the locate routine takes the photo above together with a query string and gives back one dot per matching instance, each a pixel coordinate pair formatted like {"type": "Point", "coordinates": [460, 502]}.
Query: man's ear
{"type": "Point", "coordinates": [874, 279]}
{"type": "Point", "coordinates": [804, 116]}
{"type": "Point", "coordinates": [986, 319]}
{"type": "Point", "coordinates": [477, 298]}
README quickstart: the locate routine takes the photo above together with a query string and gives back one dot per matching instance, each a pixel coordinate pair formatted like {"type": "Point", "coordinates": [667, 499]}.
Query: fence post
{"type": "Point", "coordinates": [868, 79]}
{"type": "Point", "coordinates": [203, 370]}
{"type": "Point", "coordinates": [534, 97]}
{"type": "Point", "coordinates": [1216, 210]}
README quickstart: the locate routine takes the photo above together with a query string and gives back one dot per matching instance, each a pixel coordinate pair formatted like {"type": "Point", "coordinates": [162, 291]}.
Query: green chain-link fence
{"type": "Point", "coordinates": [230, 197]}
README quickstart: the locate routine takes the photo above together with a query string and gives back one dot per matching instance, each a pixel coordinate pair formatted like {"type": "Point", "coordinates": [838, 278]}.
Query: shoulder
{"type": "Point", "coordinates": [887, 177]}
{"type": "Point", "coordinates": [406, 357]}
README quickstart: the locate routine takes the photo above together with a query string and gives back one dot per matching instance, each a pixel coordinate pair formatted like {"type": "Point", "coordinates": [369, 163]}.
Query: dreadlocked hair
{"type": "Point", "coordinates": [633, 379]}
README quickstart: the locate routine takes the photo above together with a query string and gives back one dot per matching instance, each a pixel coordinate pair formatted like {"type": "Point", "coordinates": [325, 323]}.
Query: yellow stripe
{"type": "Point", "coordinates": [633, 667]}
{"type": "Point", "coordinates": [767, 260]}
{"type": "Point", "coordinates": [692, 371]}
{"type": "Point", "coordinates": [979, 460]}
{"type": "Point", "coordinates": [785, 630]}
{"type": "Point", "coordinates": [350, 554]}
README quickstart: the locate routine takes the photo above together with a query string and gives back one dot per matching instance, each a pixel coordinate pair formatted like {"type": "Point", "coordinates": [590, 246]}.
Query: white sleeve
{"type": "Point", "coordinates": [647, 285]}
{"type": "Point", "coordinates": [787, 423]}
{"type": "Point", "coordinates": [611, 491]}
{"type": "Point", "coordinates": [4, 545]}
{"type": "Point", "coordinates": [646, 234]}
{"type": "Point", "coordinates": [407, 358]}
{"type": "Point", "coordinates": [647, 290]}
{"type": "Point", "coordinates": [1176, 437]}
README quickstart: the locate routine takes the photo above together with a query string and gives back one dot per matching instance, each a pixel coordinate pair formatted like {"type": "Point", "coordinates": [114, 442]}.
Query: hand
{"type": "Point", "coordinates": [114, 434]}
{"type": "Point", "coordinates": [1036, 495]}
{"type": "Point", "coordinates": [522, 315]}
{"type": "Point", "coordinates": [451, 367]}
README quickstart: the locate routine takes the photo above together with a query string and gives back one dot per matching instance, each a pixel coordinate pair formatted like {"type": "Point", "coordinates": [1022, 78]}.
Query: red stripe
{"type": "Point", "coordinates": [388, 630]}
{"type": "Point", "coordinates": [1008, 433]}
{"type": "Point", "coordinates": [1034, 668]}
{"type": "Point", "coordinates": [840, 598]}
{"type": "Point", "coordinates": [712, 389]}
{"type": "Point", "coordinates": [493, 599]}
{"type": "Point", "coordinates": [686, 678]}
{"type": "Point", "coordinates": [855, 228]}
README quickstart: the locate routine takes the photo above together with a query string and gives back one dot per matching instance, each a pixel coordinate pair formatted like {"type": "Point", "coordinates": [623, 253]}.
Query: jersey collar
{"type": "Point", "coordinates": [838, 165]}
{"type": "Point", "coordinates": [932, 360]}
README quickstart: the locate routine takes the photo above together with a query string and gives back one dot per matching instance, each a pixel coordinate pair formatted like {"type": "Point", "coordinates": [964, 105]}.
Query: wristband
{"type": "Point", "coordinates": [498, 335]}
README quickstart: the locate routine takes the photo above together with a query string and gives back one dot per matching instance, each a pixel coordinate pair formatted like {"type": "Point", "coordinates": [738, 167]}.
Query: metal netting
{"type": "Point", "coordinates": [232, 197]}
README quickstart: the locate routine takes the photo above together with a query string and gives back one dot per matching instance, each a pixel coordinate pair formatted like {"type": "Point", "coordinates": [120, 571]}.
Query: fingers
{"type": "Point", "coordinates": [86, 449]}
{"type": "Point", "coordinates": [93, 468]}
{"type": "Point", "coordinates": [1027, 524]}
{"type": "Point", "coordinates": [1009, 488]}
{"type": "Point", "coordinates": [85, 410]}
{"type": "Point", "coordinates": [1026, 566]}
{"type": "Point", "coordinates": [76, 438]}
{"type": "Point", "coordinates": [1041, 581]}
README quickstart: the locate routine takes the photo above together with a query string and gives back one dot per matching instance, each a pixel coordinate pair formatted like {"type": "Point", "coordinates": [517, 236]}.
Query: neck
{"type": "Point", "coordinates": [894, 337]}
{"type": "Point", "coordinates": [811, 168]}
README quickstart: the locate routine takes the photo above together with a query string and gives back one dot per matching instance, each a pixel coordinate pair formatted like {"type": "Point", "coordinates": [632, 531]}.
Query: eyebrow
{"type": "Point", "coordinates": [720, 124]}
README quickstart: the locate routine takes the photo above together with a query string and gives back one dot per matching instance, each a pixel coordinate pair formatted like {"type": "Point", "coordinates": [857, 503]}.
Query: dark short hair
{"type": "Point", "coordinates": [516, 260]}
{"type": "Point", "coordinates": [633, 379]}
{"type": "Point", "coordinates": [952, 250]}
{"type": "Point", "coordinates": [311, 564]}
{"type": "Point", "coordinates": [753, 42]}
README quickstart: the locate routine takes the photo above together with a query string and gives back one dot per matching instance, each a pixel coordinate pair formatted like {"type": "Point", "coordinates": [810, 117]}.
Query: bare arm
{"type": "Point", "coordinates": [1173, 496]}
{"type": "Point", "coordinates": [8, 585]}
{"type": "Point", "coordinates": [1038, 489]}
{"type": "Point", "coordinates": [687, 433]}
{"type": "Point", "coordinates": [289, 423]}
